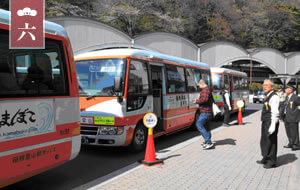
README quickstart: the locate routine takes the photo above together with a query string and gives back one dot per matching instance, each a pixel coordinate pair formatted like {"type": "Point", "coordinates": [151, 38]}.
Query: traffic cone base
{"type": "Point", "coordinates": [157, 162]}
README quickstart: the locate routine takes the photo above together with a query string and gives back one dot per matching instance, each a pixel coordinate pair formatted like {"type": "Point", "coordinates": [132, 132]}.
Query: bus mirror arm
{"type": "Point", "coordinates": [118, 84]}
{"type": "Point", "coordinates": [118, 88]}
{"type": "Point", "coordinates": [120, 99]}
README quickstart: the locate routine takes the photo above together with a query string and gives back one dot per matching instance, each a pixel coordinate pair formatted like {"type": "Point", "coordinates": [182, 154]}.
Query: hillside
{"type": "Point", "coordinates": [249, 23]}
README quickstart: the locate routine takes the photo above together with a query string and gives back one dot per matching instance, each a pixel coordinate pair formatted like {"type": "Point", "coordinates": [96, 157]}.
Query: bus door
{"type": "Point", "coordinates": [157, 88]}
{"type": "Point", "coordinates": [228, 84]}
{"type": "Point", "coordinates": [233, 90]}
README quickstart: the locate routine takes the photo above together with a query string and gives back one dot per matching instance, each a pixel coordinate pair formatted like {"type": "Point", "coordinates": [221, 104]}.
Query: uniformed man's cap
{"type": "Point", "coordinates": [280, 87]}
{"type": "Point", "coordinates": [290, 87]}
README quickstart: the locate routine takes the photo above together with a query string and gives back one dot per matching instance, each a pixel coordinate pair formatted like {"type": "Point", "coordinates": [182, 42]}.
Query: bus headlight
{"type": "Point", "coordinates": [107, 130]}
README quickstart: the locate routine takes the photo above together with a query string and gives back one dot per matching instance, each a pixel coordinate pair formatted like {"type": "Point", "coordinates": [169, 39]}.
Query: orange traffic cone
{"type": "Point", "coordinates": [150, 158]}
{"type": "Point", "coordinates": [240, 118]}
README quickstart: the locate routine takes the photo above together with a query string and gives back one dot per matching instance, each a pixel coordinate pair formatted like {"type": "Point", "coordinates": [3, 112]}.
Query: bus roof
{"type": "Point", "coordinates": [221, 70]}
{"type": "Point", "coordinates": [50, 27]}
{"type": "Point", "coordinates": [139, 53]}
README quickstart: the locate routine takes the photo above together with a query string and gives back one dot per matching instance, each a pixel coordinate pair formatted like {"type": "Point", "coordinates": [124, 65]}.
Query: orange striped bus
{"type": "Point", "coordinates": [118, 86]}
{"type": "Point", "coordinates": [236, 81]}
{"type": "Point", "coordinates": [39, 105]}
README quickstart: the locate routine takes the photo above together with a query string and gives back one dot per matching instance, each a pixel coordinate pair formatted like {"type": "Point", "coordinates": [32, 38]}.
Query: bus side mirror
{"type": "Point", "coordinates": [118, 84]}
{"type": "Point", "coordinates": [222, 85]}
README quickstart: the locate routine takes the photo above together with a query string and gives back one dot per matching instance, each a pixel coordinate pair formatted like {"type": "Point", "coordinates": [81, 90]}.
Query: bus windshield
{"type": "Point", "coordinates": [217, 81]}
{"type": "Point", "coordinates": [96, 77]}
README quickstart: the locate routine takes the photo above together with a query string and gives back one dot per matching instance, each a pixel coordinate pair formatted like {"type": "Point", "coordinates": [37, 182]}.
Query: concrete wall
{"type": "Point", "coordinates": [86, 34]}
{"type": "Point", "coordinates": [170, 44]}
{"type": "Point", "coordinates": [217, 54]}
{"type": "Point", "coordinates": [293, 63]}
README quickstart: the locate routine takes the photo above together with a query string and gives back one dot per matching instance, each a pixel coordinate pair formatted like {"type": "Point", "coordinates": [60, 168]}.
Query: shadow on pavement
{"type": "Point", "coordinates": [175, 155]}
{"type": "Point", "coordinates": [286, 159]}
{"type": "Point", "coordinates": [236, 123]}
{"type": "Point", "coordinates": [225, 142]}
{"type": "Point", "coordinates": [215, 123]}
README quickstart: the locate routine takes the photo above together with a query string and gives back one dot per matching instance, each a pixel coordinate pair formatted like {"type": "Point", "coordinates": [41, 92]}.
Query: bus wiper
{"type": "Point", "coordinates": [90, 97]}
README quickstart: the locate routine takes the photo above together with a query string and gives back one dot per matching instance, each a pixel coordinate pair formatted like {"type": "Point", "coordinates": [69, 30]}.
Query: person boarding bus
{"type": "Point", "coordinates": [205, 102]}
{"type": "Point", "coordinates": [227, 105]}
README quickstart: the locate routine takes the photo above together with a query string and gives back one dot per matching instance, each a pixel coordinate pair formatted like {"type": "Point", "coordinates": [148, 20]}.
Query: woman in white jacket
{"type": "Point", "coordinates": [227, 106]}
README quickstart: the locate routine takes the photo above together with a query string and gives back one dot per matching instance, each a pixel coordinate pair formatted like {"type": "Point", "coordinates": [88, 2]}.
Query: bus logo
{"type": "Point", "coordinates": [27, 24]}
{"type": "Point", "coordinates": [25, 119]}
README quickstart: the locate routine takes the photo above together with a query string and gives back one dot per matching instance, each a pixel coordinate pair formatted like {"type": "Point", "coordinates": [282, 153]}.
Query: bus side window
{"type": "Point", "coordinates": [245, 83]}
{"type": "Point", "coordinates": [206, 77]}
{"type": "Point", "coordinates": [217, 81]}
{"type": "Point", "coordinates": [197, 77]}
{"type": "Point", "coordinates": [235, 83]}
{"type": "Point", "coordinates": [39, 74]}
{"type": "Point", "coordinates": [226, 81]}
{"type": "Point", "coordinates": [192, 77]}
{"type": "Point", "coordinates": [241, 82]}
{"type": "Point", "coordinates": [138, 85]}
{"type": "Point", "coordinates": [7, 80]}
{"type": "Point", "coordinates": [44, 63]}
{"type": "Point", "coordinates": [176, 79]}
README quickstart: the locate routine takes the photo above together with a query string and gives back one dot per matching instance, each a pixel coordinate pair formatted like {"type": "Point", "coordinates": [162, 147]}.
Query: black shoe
{"type": "Point", "coordinates": [287, 146]}
{"type": "Point", "coordinates": [261, 161]}
{"type": "Point", "coordinates": [268, 166]}
{"type": "Point", "coordinates": [295, 148]}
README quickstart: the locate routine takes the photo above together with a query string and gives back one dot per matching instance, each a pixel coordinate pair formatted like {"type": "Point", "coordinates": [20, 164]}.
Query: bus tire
{"type": "Point", "coordinates": [194, 125]}
{"type": "Point", "coordinates": [139, 139]}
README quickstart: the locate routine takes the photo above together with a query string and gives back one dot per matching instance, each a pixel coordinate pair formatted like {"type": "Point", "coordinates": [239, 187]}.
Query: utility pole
{"type": "Point", "coordinates": [89, 11]}
{"type": "Point", "coordinates": [250, 68]}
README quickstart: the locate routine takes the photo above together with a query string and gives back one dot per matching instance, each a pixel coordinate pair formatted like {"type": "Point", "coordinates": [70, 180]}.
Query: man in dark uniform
{"type": "Point", "coordinates": [269, 126]}
{"type": "Point", "coordinates": [290, 113]}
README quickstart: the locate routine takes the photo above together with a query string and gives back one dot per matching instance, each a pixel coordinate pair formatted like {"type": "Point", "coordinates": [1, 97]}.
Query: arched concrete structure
{"type": "Point", "coordinates": [272, 58]}
{"type": "Point", "coordinates": [219, 53]}
{"type": "Point", "coordinates": [86, 34]}
{"type": "Point", "coordinates": [293, 63]}
{"type": "Point", "coordinates": [170, 44]}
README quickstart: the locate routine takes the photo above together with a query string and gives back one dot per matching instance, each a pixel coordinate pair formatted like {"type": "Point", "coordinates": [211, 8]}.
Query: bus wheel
{"type": "Point", "coordinates": [194, 125]}
{"type": "Point", "coordinates": [139, 139]}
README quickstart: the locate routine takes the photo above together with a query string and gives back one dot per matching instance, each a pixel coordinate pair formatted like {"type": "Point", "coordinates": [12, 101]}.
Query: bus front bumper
{"type": "Point", "coordinates": [94, 138]}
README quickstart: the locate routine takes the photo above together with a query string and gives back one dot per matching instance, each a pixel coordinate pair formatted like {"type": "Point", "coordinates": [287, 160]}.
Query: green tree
{"type": "Point", "coordinates": [251, 24]}
{"type": "Point", "coordinates": [254, 87]}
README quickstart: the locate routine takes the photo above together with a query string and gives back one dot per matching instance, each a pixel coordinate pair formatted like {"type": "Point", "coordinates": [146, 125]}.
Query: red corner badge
{"type": "Point", "coordinates": [26, 24]}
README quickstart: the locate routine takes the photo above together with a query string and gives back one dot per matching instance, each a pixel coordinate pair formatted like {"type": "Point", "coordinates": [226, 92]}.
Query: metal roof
{"type": "Point", "coordinates": [50, 27]}
{"type": "Point", "coordinates": [217, 69]}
